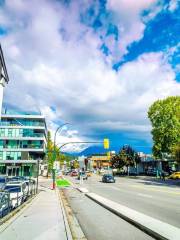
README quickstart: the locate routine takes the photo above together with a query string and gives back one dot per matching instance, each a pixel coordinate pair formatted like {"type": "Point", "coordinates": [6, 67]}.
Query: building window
{"type": "Point", "coordinates": [2, 132]}
{"type": "Point", "coordinates": [1, 155]}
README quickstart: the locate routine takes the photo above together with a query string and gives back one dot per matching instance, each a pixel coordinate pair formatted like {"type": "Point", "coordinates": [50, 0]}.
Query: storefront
{"type": "Point", "coordinates": [20, 168]}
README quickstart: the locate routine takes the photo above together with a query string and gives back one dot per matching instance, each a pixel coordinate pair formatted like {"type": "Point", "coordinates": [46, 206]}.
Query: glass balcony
{"type": "Point", "coordinates": [22, 123]}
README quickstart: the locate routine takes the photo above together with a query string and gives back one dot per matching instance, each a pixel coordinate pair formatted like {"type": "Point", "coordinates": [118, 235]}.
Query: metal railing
{"type": "Point", "coordinates": [12, 198]}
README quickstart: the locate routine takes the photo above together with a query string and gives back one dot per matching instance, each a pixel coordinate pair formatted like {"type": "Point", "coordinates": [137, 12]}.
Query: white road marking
{"type": "Point", "coordinates": [144, 195]}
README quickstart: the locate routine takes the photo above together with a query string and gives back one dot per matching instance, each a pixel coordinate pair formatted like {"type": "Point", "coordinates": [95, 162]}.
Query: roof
{"type": "Point", "coordinates": [3, 68]}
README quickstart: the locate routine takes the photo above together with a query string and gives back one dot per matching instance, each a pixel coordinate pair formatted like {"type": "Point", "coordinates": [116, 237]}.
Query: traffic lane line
{"type": "Point", "coordinates": [152, 226]}
{"type": "Point", "coordinates": [155, 190]}
{"type": "Point", "coordinates": [144, 195]}
{"type": "Point", "coordinates": [138, 194]}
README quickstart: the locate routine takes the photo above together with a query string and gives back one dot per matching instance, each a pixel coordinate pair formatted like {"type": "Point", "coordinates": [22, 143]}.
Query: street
{"type": "Point", "coordinates": [154, 199]}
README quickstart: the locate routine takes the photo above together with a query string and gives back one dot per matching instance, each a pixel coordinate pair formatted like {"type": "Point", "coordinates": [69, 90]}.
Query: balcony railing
{"type": "Point", "coordinates": [23, 135]}
{"type": "Point", "coordinates": [30, 146]}
{"type": "Point", "coordinates": [29, 124]}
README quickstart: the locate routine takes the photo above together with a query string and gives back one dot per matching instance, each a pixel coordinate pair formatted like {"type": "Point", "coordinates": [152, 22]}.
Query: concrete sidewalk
{"type": "Point", "coordinates": [43, 219]}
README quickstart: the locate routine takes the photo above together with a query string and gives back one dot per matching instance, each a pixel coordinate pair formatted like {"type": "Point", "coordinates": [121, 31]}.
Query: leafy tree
{"type": "Point", "coordinates": [57, 155]}
{"type": "Point", "coordinates": [117, 161]}
{"type": "Point", "coordinates": [165, 119]}
{"type": "Point", "coordinates": [126, 157]}
{"type": "Point", "coordinates": [49, 151]}
{"type": "Point", "coordinates": [176, 153]}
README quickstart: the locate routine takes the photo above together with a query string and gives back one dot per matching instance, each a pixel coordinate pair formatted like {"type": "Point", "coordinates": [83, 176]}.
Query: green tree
{"type": "Point", "coordinates": [165, 119]}
{"type": "Point", "coordinates": [176, 153]}
{"type": "Point", "coordinates": [126, 157]}
{"type": "Point", "coordinates": [58, 156]}
{"type": "Point", "coordinates": [49, 152]}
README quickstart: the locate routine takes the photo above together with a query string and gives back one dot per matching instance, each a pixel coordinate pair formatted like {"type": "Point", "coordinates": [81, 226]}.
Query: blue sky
{"type": "Point", "coordinates": [98, 64]}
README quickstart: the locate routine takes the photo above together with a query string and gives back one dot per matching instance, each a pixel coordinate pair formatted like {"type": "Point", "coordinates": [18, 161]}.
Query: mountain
{"type": "Point", "coordinates": [89, 151]}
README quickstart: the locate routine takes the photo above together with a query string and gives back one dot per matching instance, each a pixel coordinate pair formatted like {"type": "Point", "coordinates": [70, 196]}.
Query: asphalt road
{"type": "Point", "coordinates": [155, 199]}
{"type": "Point", "coordinates": [98, 223]}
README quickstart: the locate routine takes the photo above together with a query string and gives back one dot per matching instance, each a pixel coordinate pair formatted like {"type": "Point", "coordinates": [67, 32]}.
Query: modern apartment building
{"type": "Point", "coordinates": [3, 76]}
{"type": "Point", "coordinates": [22, 143]}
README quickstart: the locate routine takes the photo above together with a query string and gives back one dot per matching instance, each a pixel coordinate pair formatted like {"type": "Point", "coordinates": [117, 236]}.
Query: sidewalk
{"type": "Point", "coordinates": [42, 220]}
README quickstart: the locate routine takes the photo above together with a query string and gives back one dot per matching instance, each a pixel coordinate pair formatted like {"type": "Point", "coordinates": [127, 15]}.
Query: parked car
{"type": "Point", "coordinates": [74, 174]}
{"type": "Point", "coordinates": [83, 175]}
{"type": "Point", "coordinates": [89, 173]}
{"type": "Point", "coordinates": [18, 192]}
{"type": "Point", "coordinates": [108, 178]}
{"type": "Point", "coordinates": [3, 180]}
{"type": "Point", "coordinates": [5, 204]}
{"type": "Point", "coordinates": [29, 182]}
{"type": "Point", "coordinates": [175, 175]}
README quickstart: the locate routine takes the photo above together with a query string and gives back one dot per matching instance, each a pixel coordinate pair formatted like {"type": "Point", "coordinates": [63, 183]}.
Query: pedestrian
{"type": "Point", "coordinates": [160, 174]}
{"type": "Point", "coordinates": [163, 175]}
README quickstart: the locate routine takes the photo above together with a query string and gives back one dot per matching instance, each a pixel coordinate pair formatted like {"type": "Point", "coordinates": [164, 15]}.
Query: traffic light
{"type": "Point", "coordinates": [106, 143]}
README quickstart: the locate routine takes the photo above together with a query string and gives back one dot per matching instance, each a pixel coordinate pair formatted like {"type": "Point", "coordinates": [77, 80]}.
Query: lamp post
{"type": "Point", "coordinates": [54, 152]}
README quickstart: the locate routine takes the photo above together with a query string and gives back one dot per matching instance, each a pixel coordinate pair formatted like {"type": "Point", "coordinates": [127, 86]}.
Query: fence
{"type": "Point", "coordinates": [15, 194]}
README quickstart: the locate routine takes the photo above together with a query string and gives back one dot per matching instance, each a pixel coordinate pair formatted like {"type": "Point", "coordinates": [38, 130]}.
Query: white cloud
{"type": "Point", "coordinates": [129, 19]}
{"type": "Point", "coordinates": [173, 5]}
{"type": "Point", "coordinates": [69, 73]}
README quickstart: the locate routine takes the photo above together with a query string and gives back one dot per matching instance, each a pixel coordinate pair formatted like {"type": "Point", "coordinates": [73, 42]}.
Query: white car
{"type": "Point", "coordinates": [18, 192]}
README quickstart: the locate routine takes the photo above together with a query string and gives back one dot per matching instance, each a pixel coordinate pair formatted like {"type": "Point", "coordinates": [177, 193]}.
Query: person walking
{"type": "Point", "coordinates": [163, 175]}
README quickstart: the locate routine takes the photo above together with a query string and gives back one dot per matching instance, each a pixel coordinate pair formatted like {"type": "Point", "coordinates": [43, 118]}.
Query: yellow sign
{"type": "Point", "coordinates": [106, 143]}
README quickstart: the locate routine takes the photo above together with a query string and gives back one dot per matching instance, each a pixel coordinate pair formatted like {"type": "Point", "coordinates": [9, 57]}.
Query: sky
{"type": "Point", "coordinates": [96, 64]}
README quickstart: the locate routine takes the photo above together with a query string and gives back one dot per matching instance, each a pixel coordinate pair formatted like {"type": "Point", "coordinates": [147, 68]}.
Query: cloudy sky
{"type": "Point", "coordinates": [97, 64]}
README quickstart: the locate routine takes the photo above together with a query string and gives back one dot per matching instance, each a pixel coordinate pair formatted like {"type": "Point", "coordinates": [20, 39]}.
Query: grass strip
{"type": "Point", "coordinates": [62, 182]}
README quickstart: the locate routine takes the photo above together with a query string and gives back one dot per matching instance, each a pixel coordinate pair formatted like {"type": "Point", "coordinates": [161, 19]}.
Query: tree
{"type": "Point", "coordinates": [126, 157]}
{"type": "Point", "coordinates": [176, 153]}
{"type": "Point", "coordinates": [58, 156]}
{"type": "Point", "coordinates": [117, 161]}
{"type": "Point", "coordinates": [165, 119]}
{"type": "Point", "coordinates": [49, 152]}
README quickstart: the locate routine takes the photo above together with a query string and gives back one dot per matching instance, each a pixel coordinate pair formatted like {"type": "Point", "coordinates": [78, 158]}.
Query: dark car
{"type": "Point", "coordinates": [5, 204]}
{"type": "Point", "coordinates": [108, 178]}
{"type": "Point", "coordinates": [3, 180]}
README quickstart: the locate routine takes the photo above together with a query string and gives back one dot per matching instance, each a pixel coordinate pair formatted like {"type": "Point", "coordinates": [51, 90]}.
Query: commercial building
{"type": "Point", "coordinates": [3, 76]}
{"type": "Point", "coordinates": [22, 143]}
{"type": "Point", "coordinates": [100, 161]}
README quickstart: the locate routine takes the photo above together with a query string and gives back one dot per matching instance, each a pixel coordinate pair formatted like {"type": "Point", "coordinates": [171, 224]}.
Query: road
{"type": "Point", "coordinates": [98, 223]}
{"type": "Point", "coordinates": [154, 199]}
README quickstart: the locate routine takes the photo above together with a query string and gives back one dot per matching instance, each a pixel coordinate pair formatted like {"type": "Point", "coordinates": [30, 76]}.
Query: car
{"type": "Point", "coordinates": [29, 182]}
{"type": "Point", "coordinates": [89, 174]}
{"type": "Point", "coordinates": [108, 178]}
{"type": "Point", "coordinates": [67, 172]}
{"type": "Point", "coordinates": [3, 180]}
{"type": "Point", "coordinates": [82, 175]}
{"type": "Point", "coordinates": [18, 192]}
{"type": "Point", "coordinates": [175, 175]}
{"type": "Point", "coordinates": [5, 204]}
{"type": "Point", "coordinates": [74, 174]}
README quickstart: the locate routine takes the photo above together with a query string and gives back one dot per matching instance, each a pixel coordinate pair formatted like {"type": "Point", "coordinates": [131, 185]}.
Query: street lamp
{"type": "Point", "coordinates": [54, 151]}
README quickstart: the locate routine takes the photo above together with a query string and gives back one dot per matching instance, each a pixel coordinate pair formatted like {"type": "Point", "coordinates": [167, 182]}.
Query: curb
{"type": "Point", "coordinates": [66, 224]}
{"type": "Point", "coordinates": [153, 227]}
{"type": "Point", "coordinates": [82, 190]}
{"type": "Point", "coordinates": [75, 228]}
{"type": "Point", "coordinates": [8, 219]}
